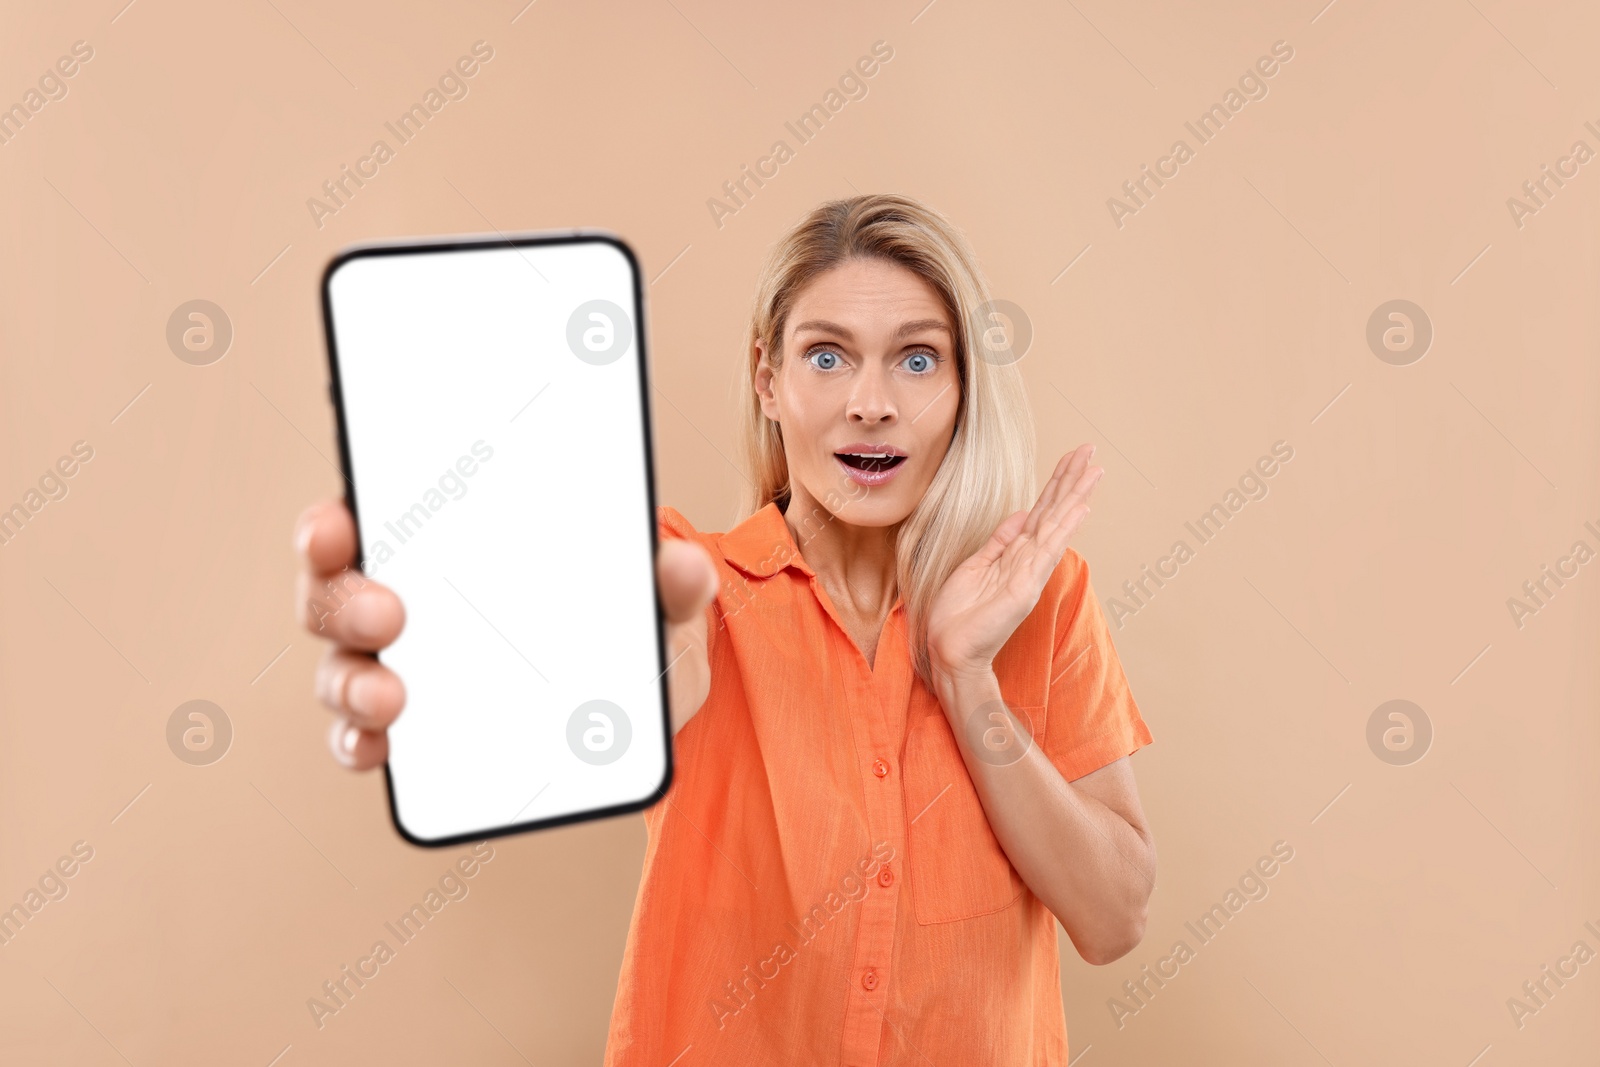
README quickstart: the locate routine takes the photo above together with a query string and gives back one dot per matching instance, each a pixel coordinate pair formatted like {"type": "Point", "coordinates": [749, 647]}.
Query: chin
{"type": "Point", "coordinates": [876, 509]}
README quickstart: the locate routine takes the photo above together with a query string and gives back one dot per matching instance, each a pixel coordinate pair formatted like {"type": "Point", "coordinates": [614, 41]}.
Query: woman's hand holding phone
{"type": "Point", "coordinates": [362, 616]}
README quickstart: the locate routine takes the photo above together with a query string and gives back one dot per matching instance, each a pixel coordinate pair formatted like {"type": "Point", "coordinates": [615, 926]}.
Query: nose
{"type": "Point", "coordinates": [872, 402]}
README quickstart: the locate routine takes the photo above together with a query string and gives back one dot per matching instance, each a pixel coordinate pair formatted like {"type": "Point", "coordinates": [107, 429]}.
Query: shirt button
{"type": "Point", "coordinates": [886, 877]}
{"type": "Point", "coordinates": [880, 768]}
{"type": "Point", "coordinates": [869, 980]}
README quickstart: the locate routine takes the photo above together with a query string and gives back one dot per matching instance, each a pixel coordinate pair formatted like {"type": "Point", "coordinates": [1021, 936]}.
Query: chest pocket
{"type": "Point", "coordinates": [958, 869]}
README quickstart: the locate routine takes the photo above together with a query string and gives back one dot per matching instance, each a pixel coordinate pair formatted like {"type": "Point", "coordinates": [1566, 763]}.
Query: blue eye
{"type": "Point", "coordinates": [820, 353]}
{"type": "Point", "coordinates": [926, 362]}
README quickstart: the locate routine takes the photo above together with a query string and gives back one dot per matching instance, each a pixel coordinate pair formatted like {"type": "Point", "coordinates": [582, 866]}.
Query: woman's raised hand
{"type": "Point", "coordinates": [361, 616]}
{"type": "Point", "coordinates": [986, 598]}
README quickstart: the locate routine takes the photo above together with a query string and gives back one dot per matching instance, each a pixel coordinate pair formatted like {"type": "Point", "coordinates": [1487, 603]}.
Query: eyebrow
{"type": "Point", "coordinates": [906, 328]}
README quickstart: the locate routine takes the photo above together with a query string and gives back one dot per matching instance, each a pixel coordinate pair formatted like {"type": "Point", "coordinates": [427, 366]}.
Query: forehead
{"type": "Point", "coordinates": [868, 292]}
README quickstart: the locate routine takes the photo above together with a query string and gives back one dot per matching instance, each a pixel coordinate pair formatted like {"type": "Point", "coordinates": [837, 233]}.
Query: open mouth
{"type": "Point", "coordinates": [871, 462]}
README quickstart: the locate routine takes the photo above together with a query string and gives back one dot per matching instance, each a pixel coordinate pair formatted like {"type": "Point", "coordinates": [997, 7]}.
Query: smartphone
{"type": "Point", "coordinates": [492, 400]}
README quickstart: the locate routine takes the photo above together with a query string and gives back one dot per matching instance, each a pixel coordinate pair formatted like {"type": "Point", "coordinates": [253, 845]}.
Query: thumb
{"type": "Point", "coordinates": [686, 577]}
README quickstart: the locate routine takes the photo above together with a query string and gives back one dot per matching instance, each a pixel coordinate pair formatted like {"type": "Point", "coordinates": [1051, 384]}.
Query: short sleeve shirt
{"type": "Point", "coordinates": [820, 884]}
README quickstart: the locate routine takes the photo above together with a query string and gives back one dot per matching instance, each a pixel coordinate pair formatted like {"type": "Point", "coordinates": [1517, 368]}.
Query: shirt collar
{"type": "Point", "coordinates": [762, 545]}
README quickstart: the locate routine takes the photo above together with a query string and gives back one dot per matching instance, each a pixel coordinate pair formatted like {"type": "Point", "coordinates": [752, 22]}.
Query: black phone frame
{"type": "Point", "coordinates": [411, 246]}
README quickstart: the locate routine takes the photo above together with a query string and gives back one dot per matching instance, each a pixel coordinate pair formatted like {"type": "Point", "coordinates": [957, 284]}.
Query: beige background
{"type": "Point", "coordinates": [1227, 314]}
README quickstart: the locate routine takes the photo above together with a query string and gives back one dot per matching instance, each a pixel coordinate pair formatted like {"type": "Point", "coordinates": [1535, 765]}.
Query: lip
{"type": "Point", "coordinates": [871, 478]}
{"type": "Point", "coordinates": [871, 446]}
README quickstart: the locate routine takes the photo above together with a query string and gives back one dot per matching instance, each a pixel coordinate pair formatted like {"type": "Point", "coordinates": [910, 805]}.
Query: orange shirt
{"type": "Point", "coordinates": [821, 885]}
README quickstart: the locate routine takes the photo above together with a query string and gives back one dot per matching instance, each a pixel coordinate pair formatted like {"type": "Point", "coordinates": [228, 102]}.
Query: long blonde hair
{"type": "Point", "coordinates": [988, 471]}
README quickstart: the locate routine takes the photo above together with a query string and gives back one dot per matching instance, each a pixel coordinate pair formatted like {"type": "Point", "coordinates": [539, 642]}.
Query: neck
{"type": "Point", "coordinates": [854, 563]}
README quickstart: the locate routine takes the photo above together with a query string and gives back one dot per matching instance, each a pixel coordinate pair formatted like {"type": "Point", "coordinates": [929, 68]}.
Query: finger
{"type": "Point", "coordinates": [351, 609]}
{"type": "Point", "coordinates": [1004, 534]}
{"type": "Point", "coordinates": [1069, 525]}
{"type": "Point", "coordinates": [1031, 524]}
{"type": "Point", "coordinates": [1060, 535]}
{"type": "Point", "coordinates": [1077, 494]}
{"type": "Point", "coordinates": [686, 577]}
{"type": "Point", "coordinates": [325, 537]}
{"type": "Point", "coordinates": [1066, 473]}
{"type": "Point", "coordinates": [355, 748]}
{"type": "Point", "coordinates": [1065, 516]}
{"type": "Point", "coordinates": [366, 692]}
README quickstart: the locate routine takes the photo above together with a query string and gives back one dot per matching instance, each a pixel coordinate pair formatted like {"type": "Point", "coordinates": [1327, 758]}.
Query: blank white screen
{"type": "Point", "coordinates": [501, 488]}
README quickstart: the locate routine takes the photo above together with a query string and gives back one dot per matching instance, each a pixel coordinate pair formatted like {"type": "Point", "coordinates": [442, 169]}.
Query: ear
{"type": "Point", "coordinates": [764, 379]}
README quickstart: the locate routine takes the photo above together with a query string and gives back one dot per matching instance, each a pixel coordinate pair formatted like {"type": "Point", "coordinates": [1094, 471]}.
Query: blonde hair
{"type": "Point", "coordinates": [988, 471]}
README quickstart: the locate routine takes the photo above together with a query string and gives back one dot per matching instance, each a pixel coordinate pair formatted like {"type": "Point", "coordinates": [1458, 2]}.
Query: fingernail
{"type": "Point", "coordinates": [303, 534]}
{"type": "Point", "coordinates": [343, 739]}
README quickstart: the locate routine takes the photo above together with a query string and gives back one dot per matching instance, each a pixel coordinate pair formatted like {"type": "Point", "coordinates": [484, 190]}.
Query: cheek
{"type": "Point", "coordinates": [938, 421]}
{"type": "Point", "coordinates": [806, 413]}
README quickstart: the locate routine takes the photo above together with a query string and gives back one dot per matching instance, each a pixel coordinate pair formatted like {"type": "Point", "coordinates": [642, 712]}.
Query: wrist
{"type": "Point", "coordinates": [953, 677]}
{"type": "Point", "coordinates": [958, 667]}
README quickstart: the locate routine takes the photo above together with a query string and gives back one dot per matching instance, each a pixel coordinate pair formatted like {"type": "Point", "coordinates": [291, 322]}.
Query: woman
{"type": "Point", "coordinates": [901, 731]}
